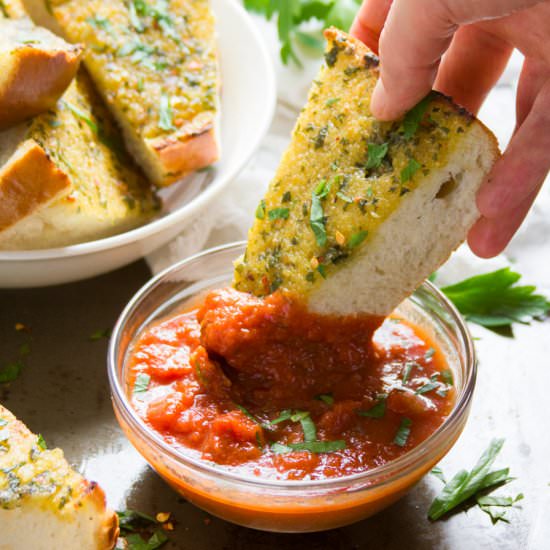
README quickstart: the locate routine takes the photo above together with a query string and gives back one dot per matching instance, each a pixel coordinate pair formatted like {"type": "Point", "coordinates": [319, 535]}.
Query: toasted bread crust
{"type": "Point", "coordinates": [180, 157]}
{"type": "Point", "coordinates": [37, 80]}
{"type": "Point", "coordinates": [29, 181]}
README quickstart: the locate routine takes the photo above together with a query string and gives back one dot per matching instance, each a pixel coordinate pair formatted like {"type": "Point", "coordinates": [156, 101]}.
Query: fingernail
{"type": "Point", "coordinates": [378, 102]}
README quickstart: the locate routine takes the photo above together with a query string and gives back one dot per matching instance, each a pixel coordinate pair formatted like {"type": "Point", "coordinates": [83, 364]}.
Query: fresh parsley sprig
{"type": "Point", "coordinates": [469, 485]}
{"type": "Point", "coordinates": [495, 300]}
{"type": "Point", "coordinates": [292, 14]}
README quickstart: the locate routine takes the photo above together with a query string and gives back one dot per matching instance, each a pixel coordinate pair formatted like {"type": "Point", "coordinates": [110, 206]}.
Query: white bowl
{"type": "Point", "coordinates": [247, 106]}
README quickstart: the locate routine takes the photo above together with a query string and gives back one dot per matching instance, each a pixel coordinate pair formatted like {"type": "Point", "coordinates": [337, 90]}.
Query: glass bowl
{"type": "Point", "coordinates": [276, 505]}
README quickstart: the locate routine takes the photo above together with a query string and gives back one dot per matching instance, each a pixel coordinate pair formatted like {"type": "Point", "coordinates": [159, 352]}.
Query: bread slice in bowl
{"type": "Point", "coordinates": [361, 211]}
{"type": "Point", "coordinates": [44, 503]}
{"type": "Point", "coordinates": [36, 68]}
{"type": "Point", "coordinates": [155, 64]}
{"type": "Point", "coordinates": [65, 178]}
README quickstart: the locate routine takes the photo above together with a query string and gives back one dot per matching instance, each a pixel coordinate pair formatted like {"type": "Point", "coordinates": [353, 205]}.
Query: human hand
{"type": "Point", "coordinates": [461, 47]}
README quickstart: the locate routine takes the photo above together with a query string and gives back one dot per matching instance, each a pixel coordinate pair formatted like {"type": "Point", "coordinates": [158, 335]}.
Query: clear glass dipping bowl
{"type": "Point", "coordinates": [284, 506]}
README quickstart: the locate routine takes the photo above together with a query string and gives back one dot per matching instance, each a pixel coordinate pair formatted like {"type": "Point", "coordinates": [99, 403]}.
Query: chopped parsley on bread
{"type": "Point", "coordinates": [155, 64]}
{"type": "Point", "coordinates": [44, 503]}
{"type": "Point", "coordinates": [65, 178]}
{"type": "Point", "coordinates": [361, 211]}
{"type": "Point", "coordinates": [37, 67]}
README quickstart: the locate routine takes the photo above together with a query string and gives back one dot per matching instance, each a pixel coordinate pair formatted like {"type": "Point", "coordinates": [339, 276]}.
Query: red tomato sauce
{"type": "Point", "coordinates": [267, 388]}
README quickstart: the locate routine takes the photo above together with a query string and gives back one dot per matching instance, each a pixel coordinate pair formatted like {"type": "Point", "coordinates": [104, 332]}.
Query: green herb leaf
{"type": "Point", "coordinates": [260, 211]}
{"type": "Point", "coordinates": [99, 22]}
{"type": "Point", "coordinates": [494, 299]}
{"type": "Point", "coordinates": [357, 238]}
{"type": "Point", "coordinates": [447, 376]}
{"type": "Point", "coordinates": [41, 442]}
{"type": "Point", "coordinates": [344, 197]}
{"type": "Point", "coordinates": [409, 365]}
{"type": "Point", "coordinates": [309, 429]}
{"type": "Point", "coordinates": [130, 520]}
{"type": "Point", "coordinates": [278, 214]}
{"type": "Point", "coordinates": [408, 172]}
{"type": "Point", "coordinates": [10, 372]}
{"type": "Point", "coordinates": [165, 113]}
{"type": "Point", "coordinates": [438, 472]}
{"type": "Point", "coordinates": [378, 410]}
{"type": "Point", "coordinates": [403, 432]}
{"type": "Point", "coordinates": [284, 416]}
{"type": "Point", "coordinates": [429, 354]}
{"type": "Point", "coordinates": [332, 101]}
{"type": "Point", "coordinates": [376, 153]}
{"type": "Point", "coordinates": [430, 386]}
{"type": "Point", "coordinates": [99, 334]}
{"type": "Point", "coordinates": [311, 446]}
{"type": "Point", "coordinates": [414, 117]}
{"type": "Point", "coordinates": [317, 220]}
{"type": "Point", "coordinates": [326, 398]}
{"type": "Point", "coordinates": [135, 542]}
{"type": "Point", "coordinates": [82, 116]}
{"type": "Point", "coordinates": [465, 484]}
{"type": "Point", "coordinates": [142, 383]}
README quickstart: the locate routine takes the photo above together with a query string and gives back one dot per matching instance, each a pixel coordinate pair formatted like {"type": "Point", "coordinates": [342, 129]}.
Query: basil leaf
{"type": "Point", "coordinates": [326, 398]}
{"type": "Point", "coordinates": [408, 172]}
{"type": "Point", "coordinates": [414, 117]}
{"type": "Point", "coordinates": [309, 429]}
{"type": "Point", "coordinates": [438, 472]}
{"type": "Point", "coordinates": [278, 214]}
{"type": "Point", "coordinates": [99, 334]}
{"type": "Point", "coordinates": [319, 446]}
{"type": "Point", "coordinates": [427, 388]}
{"type": "Point", "coordinates": [260, 211]}
{"type": "Point", "coordinates": [82, 116]}
{"type": "Point", "coordinates": [357, 238]}
{"type": "Point", "coordinates": [142, 383]}
{"type": "Point", "coordinates": [403, 432]}
{"type": "Point", "coordinates": [494, 300]}
{"type": "Point", "coordinates": [10, 372]}
{"type": "Point", "coordinates": [285, 415]}
{"type": "Point", "coordinates": [409, 365]}
{"type": "Point", "coordinates": [447, 376]}
{"type": "Point", "coordinates": [165, 113]}
{"type": "Point", "coordinates": [375, 154]}
{"type": "Point", "coordinates": [378, 410]}
{"type": "Point", "coordinates": [317, 220]}
{"type": "Point", "coordinates": [130, 520]}
{"type": "Point", "coordinates": [135, 542]}
{"type": "Point", "coordinates": [465, 484]}
{"type": "Point", "coordinates": [41, 442]}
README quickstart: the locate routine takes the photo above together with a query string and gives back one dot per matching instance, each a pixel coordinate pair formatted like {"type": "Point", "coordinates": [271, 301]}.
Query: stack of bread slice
{"type": "Point", "coordinates": [360, 211]}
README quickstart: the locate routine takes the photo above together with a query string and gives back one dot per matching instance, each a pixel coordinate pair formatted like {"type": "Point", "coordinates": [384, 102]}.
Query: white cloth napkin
{"type": "Point", "coordinates": [238, 202]}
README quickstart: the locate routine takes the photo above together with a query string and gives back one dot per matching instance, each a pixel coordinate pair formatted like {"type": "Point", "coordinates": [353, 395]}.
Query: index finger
{"type": "Point", "coordinates": [414, 38]}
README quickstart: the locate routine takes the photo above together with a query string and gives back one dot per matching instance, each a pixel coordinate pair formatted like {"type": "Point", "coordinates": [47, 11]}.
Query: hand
{"type": "Point", "coordinates": [461, 47]}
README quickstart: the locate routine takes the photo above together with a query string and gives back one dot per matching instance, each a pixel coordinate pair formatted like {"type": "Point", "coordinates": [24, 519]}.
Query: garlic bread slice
{"type": "Point", "coordinates": [37, 67]}
{"type": "Point", "coordinates": [361, 211]}
{"type": "Point", "coordinates": [44, 503]}
{"type": "Point", "coordinates": [155, 64]}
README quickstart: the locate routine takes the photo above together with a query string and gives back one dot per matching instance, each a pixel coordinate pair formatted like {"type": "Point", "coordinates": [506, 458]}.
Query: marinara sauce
{"type": "Point", "coordinates": [266, 388]}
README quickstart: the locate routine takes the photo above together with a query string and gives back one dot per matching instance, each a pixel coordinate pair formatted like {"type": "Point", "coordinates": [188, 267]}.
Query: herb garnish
{"type": "Point", "coordinates": [311, 446]}
{"type": "Point", "coordinates": [414, 117]}
{"type": "Point", "coordinates": [41, 442]}
{"type": "Point", "coordinates": [464, 485]}
{"type": "Point", "coordinates": [130, 522]}
{"type": "Point", "coordinates": [357, 238]}
{"type": "Point", "coordinates": [429, 354]}
{"type": "Point", "coordinates": [429, 386]}
{"type": "Point", "coordinates": [493, 300]}
{"type": "Point", "coordinates": [326, 398]}
{"type": "Point", "coordinates": [376, 153]}
{"type": "Point", "coordinates": [260, 211]}
{"type": "Point", "coordinates": [141, 383]}
{"type": "Point", "coordinates": [403, 432]}
{"type": "Point", "coordinates": [99, 334]}
{"type": "Point", "coordinates": [409, 365]}
{"type": "Point", "coordinates": [82, 116]}
{"type": "Point", "coordinates": [408, 172]}
{"type": "Point", "coordinates": [165, 113]}
{"type": "Point", "coordinates": [496, 507]}
{"type": "Point", "coordinates": [378, 410]}
{"type": "Point", "coordinates": [278, 214]}
{"type": "Point", "coordinates": [10, 372]}
{"type": "Point", "coordinates": [317, 219]}
{"type": "Point", "coordinates": [447, 376]}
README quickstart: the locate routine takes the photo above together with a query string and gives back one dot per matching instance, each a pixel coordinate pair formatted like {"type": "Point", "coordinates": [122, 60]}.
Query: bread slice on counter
{"type": "Point", "coordinates": [44, 503]}
{"type": "Point", "coordinates": [360, 211]}
{"type": "Point", "coordinates": [155, 64]}
{"type": "Point", "coordinates": [65, 178]}
{"type": "Point", "coordinates": [36, 68]}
